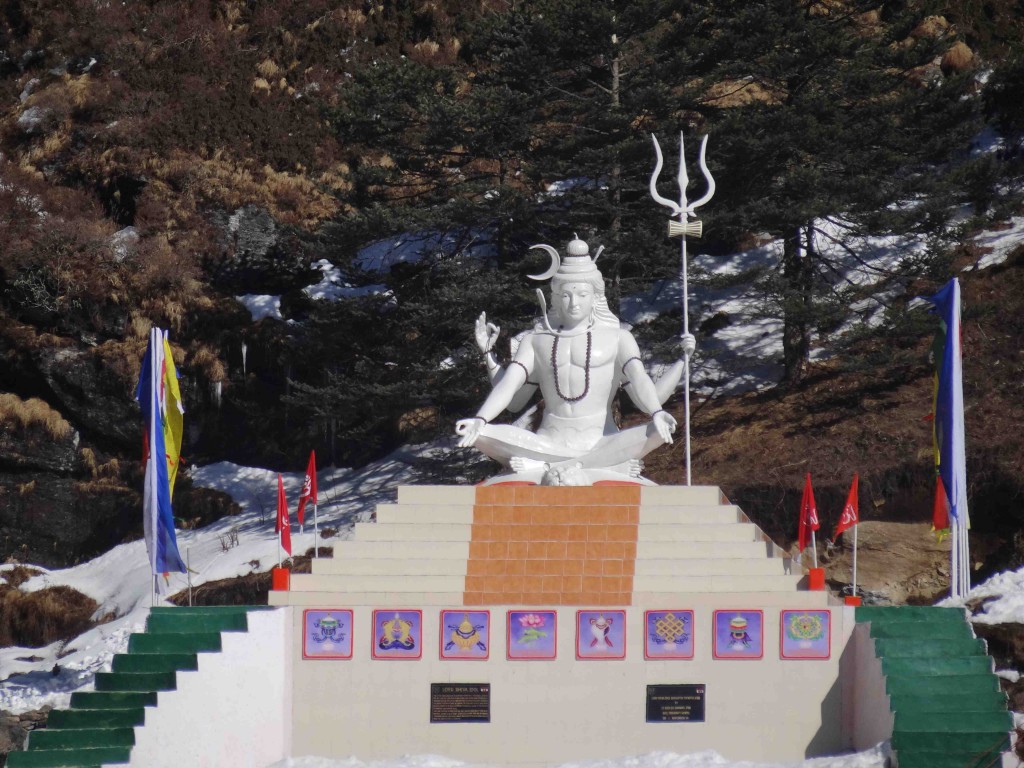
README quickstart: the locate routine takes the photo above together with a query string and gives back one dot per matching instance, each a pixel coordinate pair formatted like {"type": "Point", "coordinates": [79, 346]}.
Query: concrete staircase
{"type": "Point", "coordinates": [538, 545]}
{"type": "Point", "coordinates": [99, 728]}
{"type": "Point", "coordinates": [949, 710]}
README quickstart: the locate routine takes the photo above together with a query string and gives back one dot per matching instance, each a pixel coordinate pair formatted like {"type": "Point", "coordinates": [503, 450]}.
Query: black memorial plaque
{"type": "Point", "coordinates": [675, 703]}
{"type": "Point", "coordinates": [460, 702]}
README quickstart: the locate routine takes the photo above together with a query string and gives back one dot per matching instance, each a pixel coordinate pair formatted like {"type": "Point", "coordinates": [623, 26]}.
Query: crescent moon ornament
{"type": "Point", "coordinates": [556, 262]}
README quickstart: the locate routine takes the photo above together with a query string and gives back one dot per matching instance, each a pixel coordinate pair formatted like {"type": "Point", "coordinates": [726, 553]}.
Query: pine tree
{"type": "Point", "coordinates": [827, 110]}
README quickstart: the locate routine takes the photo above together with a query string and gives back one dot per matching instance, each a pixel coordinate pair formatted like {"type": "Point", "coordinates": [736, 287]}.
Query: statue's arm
{"type": "Point", "coordinates": [486, 334]}
{"type": "Point", "coordinates": [501, 396]}
{"type": "Point", "coordinates": [642, 389]}
{"type": "Point", "coordinates": [511, 382]}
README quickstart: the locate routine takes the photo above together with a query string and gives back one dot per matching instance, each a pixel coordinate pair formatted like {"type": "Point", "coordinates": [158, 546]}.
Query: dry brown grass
{"type": "Point", "coordinates": [35, 619]}
{"type": "Point", "coordinates": [108, 470]}
{"type": "Point", "coordinates": [33, 413]}
{"type": "Point", "coordinates": [203, 359]}
{"type": "Point", "coordinates": [291, 198]}
{"type": "Point", "coordinates": [959, 58]}
{"type": "Point", "coordinates": [18, 575]}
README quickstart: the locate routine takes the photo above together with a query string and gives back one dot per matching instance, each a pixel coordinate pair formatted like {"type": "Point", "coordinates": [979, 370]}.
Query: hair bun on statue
{"type": "Point", "coordinates": [577, 262]}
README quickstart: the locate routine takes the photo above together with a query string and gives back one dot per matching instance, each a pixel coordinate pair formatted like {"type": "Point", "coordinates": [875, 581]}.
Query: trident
{"type": "Point", "coordinates": [683, 228]}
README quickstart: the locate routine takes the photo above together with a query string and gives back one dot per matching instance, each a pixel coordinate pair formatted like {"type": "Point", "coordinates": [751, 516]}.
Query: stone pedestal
{"type": "Point", "coordinates": [599, 564]}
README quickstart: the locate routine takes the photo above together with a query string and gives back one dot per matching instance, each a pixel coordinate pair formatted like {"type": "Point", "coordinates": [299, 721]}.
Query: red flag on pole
{"type": "Point", "coordinates": [940, 509]}
{"type": "Point", "coordinates": [850, 516]}
{"type": "Point", "coordinates": [808, 515]}
{"type": "Point", "coordinates": [308, 488]}
{"type": "Point", "coordinates": [283, 526]}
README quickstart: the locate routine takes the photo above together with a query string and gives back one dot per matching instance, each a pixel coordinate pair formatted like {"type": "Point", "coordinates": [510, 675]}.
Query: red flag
{"type": "Point", "coordinates": [940, 510]}
{"type": "Point", "coordinates": [283, 526]}
{"type": "Point", "coordinates": [850, 517]}
{"type": "Point", "coordinates": [808, 515]}
{"type": "Point", "coordinates": [308, 488]}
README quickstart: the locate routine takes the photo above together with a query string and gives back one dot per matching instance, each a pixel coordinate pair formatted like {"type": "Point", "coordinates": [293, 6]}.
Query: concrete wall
{"type": "Point", "coordinates": [867, 718]}
{"type": "Point", "coordinates": [544, 712]}
{"type": "Point", "coordinates": [234, 711]}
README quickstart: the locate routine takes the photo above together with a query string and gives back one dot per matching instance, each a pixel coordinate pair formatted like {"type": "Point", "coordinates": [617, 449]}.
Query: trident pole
{"type": "Point", "coordinates": [684, 228]}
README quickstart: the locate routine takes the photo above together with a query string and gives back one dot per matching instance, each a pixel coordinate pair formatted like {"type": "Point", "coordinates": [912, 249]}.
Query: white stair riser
{"type": "Point", "coordinates": [409, 532]}
{"type": "Point", "coordinates": [733, 600]}
{"type": "Point", "coordinates": [431, 514]}
{"type": "Point", "coordinates": [375, 599]}
{"type": "Point", "coordinates": [304, 582]}
{"type": "Point", "coordinates": [684, 584]}
{"type": "Point", "coordinates": [660, 550]}
{"type": "Point", "coordinates": [724, 514]}
{"type": "Point", "coordinates": [381, 566]}
{"type": "Point", "coordinates": [649, 495]}
{"type": "Point", "coordinates": [675, 495]}
{"type": "Point", "coordinates": [436, 494]}
{"type": "Point", "coordinates": [735, 566]}
{"type": "Point", "coordinates": [372, 550]}
{"type": "Point", "coordinates": [731, 532]}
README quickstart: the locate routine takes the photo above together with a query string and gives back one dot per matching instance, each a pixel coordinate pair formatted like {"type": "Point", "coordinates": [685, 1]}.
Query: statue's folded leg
{"type": "Point", "coordinates": [502, 442]}
{"type": "Point", "coordinates": [633, 443]}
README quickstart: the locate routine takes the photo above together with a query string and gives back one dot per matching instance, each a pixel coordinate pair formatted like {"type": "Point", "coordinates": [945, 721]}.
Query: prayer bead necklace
{"type": "Point", "coordinates": [586, 369]}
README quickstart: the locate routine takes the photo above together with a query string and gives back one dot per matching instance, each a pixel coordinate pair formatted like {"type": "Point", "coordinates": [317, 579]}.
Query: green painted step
{"type": "Point", "coordinates": [136, 681]}
{"type": "Point", "coordinates": [922, 630]}
{"type": "Point", "coordinates": [941, 686]}
{"type": "Point", "coordinates": [96, 718]}
{"type": "Point", "coordinates": [112, 699]}
{"type": "Point", "coordinates": [80, 738]}
{"type": "Point", "coordinates": [987, 701]}
{"type": "Point", "coordinates": [197, 622]}
{"type": "Point", "coordinates": [69, 758]}
{"type": "Point", "coordinates": [877, 613]}
{"type": "Point", "coordinates": [987, 722]}
{"type": "Point", "coordinates": [901, 648]}
{"type": "Point", "coordinates": [974, 741]}
{"type": "Point", "coordinates": [961, 665]}
{"type": "Point", "coordinates": [174, 643]}
{"type": "Point", "coordinates": [154, 662]}
{"type": "Point", "coordinates": [948, 759]}
{"type": "Point", "coordinates": [159, 610]}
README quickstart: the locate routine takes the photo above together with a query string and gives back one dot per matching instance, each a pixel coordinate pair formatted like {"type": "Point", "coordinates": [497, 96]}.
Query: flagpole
{"type": "Point", "coordinates": [316, 547]}
{"type": "Point", "coordinates": [155, 344]}
{"type": "Point", "coordinates": [814, 547]}
{"type": "Point", "coordinates": [855, 527]}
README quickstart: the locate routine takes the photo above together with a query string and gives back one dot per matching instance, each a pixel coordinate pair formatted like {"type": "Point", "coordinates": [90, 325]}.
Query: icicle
{"type": "Point", "coordinates": [245, 349]}
{"type": "Point", "coordinates": [217, 390]}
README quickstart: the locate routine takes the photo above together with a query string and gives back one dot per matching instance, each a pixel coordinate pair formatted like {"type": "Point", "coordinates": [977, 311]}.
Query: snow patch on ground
{"type": "Point", "coordinates": [237, 545]}
{"type": "Point", "coordinates": [998, 244]}
{"type": "Point", "coordinates": [872, 758]}
{"type": "Point", "coordinates": [1002, 596]}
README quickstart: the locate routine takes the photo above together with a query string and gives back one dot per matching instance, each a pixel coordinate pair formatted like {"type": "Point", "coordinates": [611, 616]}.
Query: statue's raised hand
{"type": "Point", "coordinates": [665, 424]}
{"type": "Point", "coordinates": [468, 430]}
{"type": "Point", "coordinates": [689, 343]}
{"type": "Point", "coordinates": [486, 333]}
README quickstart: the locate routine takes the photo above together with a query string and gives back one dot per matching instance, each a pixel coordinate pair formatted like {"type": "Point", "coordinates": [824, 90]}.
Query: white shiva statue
{"type": "Point", "coordinates": [578, 354]}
